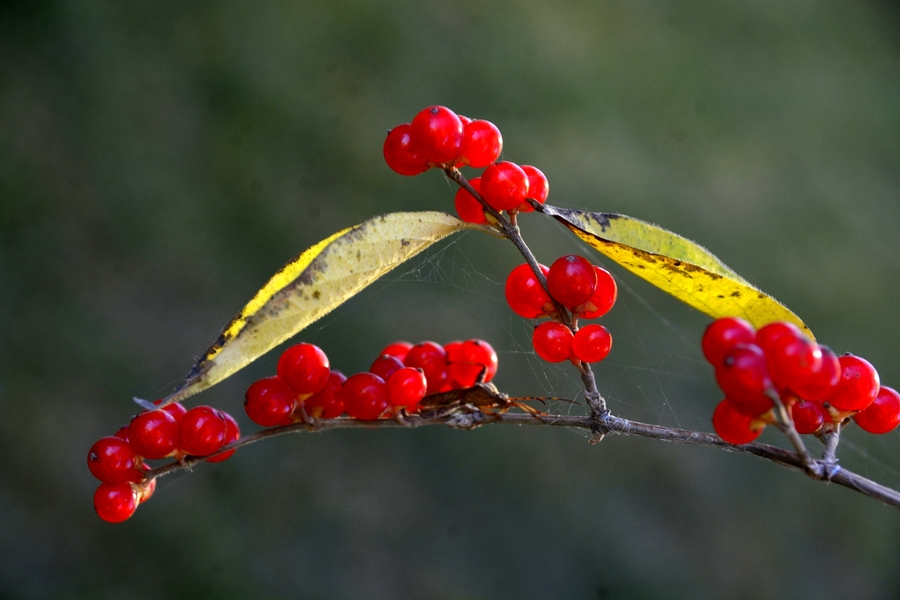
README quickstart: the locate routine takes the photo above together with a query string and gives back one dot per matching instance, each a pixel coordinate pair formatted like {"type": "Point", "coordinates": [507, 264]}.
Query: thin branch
{"type": "Point", "coordinates": [608, 426]}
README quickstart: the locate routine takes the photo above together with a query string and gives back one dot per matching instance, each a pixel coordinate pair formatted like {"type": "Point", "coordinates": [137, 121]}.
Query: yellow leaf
{"type": "Point", "coordinates": [313, 284]}
{"type": "Point", "coordinates": [675, 265]}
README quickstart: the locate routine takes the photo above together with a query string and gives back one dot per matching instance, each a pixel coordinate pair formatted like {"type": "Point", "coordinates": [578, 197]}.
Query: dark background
{"type": "Point", "coordinates": [158, 162]}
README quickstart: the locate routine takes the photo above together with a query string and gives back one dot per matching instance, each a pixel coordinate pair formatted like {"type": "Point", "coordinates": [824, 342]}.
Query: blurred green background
{"type": "Point", "coordinates": [158, 162]}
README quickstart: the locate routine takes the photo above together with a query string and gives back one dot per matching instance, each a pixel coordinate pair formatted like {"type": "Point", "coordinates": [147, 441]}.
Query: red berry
{"type": "Point", "coordinates": [525, 294]}
{"type": "Point", "coordinates": [743, 374]}
{"type": "Point", "coordinates": [176, 409]}
{"type": "Point", "coordinates": [232, 434]}
{"type": "Point", "coordinates": [365, 396]}
{"type": "Point", "coordinates": [269, 402]}
{"type": "Point", "coordinates": [399, 153]}
{"type": "Point", "coordinates": [883, 414]}
{"type": "Point", "coordinates": [304, 368]}
{"type": "Point", "coordinates": [398, 349]}
{"type": "Point", "coordinates": [769, 334]}
{"type": "Point", "coordinates": [113, 460]}
{"type": "Point", "coordinates": [604, 296]}
{"type": "Point", "coordinates": [571, 280]}
{"type": "Point", "coordinates": [385, 366]}
{"type": "Point", "coordinates": [538, 187]}
{"type": "Point", "coordinates": [467, 207]}
{"type": "Point", "coordinates": [823, 380]}
{"type": "Point", "coordinates": [858, 385]}
{"type": "Point", "coordinates": [592, 343]}
{"type": "Point", "coordinates": [463, 375]}
{"type": "Point", "coordinates": [327, 403]}
{"type": "Point", "coordinates": [504, 185]}
{"type": "Point", "coordinates": [432, 359]}
{"type": "Point", "coordinates": [437, 134]}
{"type": "Point", "coordinates": [154, 434]}
{"type": "Point", "coordinates": [406, 387]}
{"type": "Point", "coordinates": [115, 502]}
{"type": "Point", "coordinates": [122, 433]}
{"type": "Point", "coordinates": [482, 143]}
{"type": "Point", "coordinates": [202, 431]}
{"type": "Point", "coordinates": [552, 341]}
{"type": "Point", "coordinates": [808, 416]}
{"type": "Point", "coordinates": [752, 406]}
{"type": "Point", "coordinates": [793, 361]}
{"type": "Point", "coordinates": [477, 352]}
{"type": "Point", "coordinates": [722, 335]}
{"type": "Point", "coordinates": [733, 426]}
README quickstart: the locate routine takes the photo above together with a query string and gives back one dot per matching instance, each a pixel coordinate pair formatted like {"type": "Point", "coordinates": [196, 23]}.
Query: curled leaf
{"type": "Point", "coordinates": [675, 265]}
{"type": "Point", "coordinates": [313, 284]}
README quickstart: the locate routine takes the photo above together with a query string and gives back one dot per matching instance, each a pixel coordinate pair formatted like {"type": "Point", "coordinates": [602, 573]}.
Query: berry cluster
{"type": "Point", "coordinates": [585, 290]}
{"type": "Point", "coordinates": [819, 389]}
{"type": "Point", "coordinates": [305, 387]}
{"type": "Point", "coordinates": [118, 461]}
{"type": "Point", "coordinates": [438, 137]}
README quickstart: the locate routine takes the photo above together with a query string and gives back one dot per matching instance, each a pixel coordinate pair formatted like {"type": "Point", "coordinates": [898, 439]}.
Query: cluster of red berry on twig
{"type": "Point", "coordinates": [119, 461]}
{"type": "Point", "coordinates": [586, 291]}
{"type": "Point", "coordinates": [820, 390]}
{"type": "Point", "coordinates": [573, 287]}
{"type": "Point", "coordinates": [403, 374]}
{"type": "Point", "coordinates": [438, 137]}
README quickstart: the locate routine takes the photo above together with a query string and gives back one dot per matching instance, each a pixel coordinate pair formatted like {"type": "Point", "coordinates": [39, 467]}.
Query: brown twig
{"type": "Point", "coordinates": [607, 426]}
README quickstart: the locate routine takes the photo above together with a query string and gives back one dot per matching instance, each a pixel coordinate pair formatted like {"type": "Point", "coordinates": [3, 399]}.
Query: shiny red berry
{"type": "Point", "coordinates": [115, 502]}
{"type": "Point", "coordinates": [571, 280]}
{"type": "Point", "coordinates": [592, 343]}
{"type": "Point", "coordinates": [269, 402]}
{"type": "Point", "coordinates": [603, 298]}
{"type": "Point", "coordinates": [722, 335]}
{"type": "Point", "coordinates": [552, 341]}
{"type": "Point", "coordinates": [399, 153]}
{"type": "Point", "coordinates": [113, 460]}
{"type": "Point", "coordinates": [385, 366]}
{"type": "Point", "coordinates": [467, 207]}
{"type": "Point", "coordinates": [437, 134]}
{"type": "Point", "coordinates": [525, 294]}
{"type": "Point", "coordinates": [406, 387]}
{"type": "Point", "coordinates": [232, 434]}
{"type": "Point", "coordinates": [733, 426]}
{"type": "Point", "coordinates": [474, 352]}
{"type": "Point", "coordinates": [538, 187]}
{"type": "Point", "coordinates": [327, 403]}
{"type": "Point", "coordinates": [432, 359]}
{"type": "Point", "coordinates": [398, 349]}
{"type": "Point", "coordinates": [304, 368]}
{"type": "Point", "coordinates": [154, 434]}
{"type": "Point", "coordinates": [858, 385]}
{"type": "Point", "coordinates": [822, 381]}
{"type": "Point", "coordinates": [365, 396]}
{"type": "Point", "coordinates": [202, 431]}
{"type": "Point", "coordinates": [743, 374]}
{"type": "Point", "coordinates": [482, 143]}
{"type": "Point", "coordinates": [808, 416]}
{"type": "Point", "coordinates": [883, 414]}
{"type": "Point", "coordinates": [792, 362]}
{"type": "Point", "coordinates": [504, 185]}
{"type": "Point", "coordinates": [768, 335]}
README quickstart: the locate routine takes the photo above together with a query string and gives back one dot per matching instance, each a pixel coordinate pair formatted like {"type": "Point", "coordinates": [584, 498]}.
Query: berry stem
{"type": "Point", "coordinates": [786, 424]}
{"type": "Point", "coordinates": [829, 456]}
{"type": "Point", "coordinates": [511, 231]}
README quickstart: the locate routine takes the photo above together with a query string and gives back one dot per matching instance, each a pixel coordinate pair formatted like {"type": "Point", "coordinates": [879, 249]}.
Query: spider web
{"type": "Point", "coordinates": [656, 372]}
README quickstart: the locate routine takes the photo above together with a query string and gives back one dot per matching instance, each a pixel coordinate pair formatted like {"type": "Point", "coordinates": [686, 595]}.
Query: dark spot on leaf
{"type": "Point", "coordinates": [316, 294]}
{"type": "Point", "coordinates": [736, 294]}
{"type": "Point", "coordinates": [404, 243]}
{"type": "Point", "coordinates": [720, 296]}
